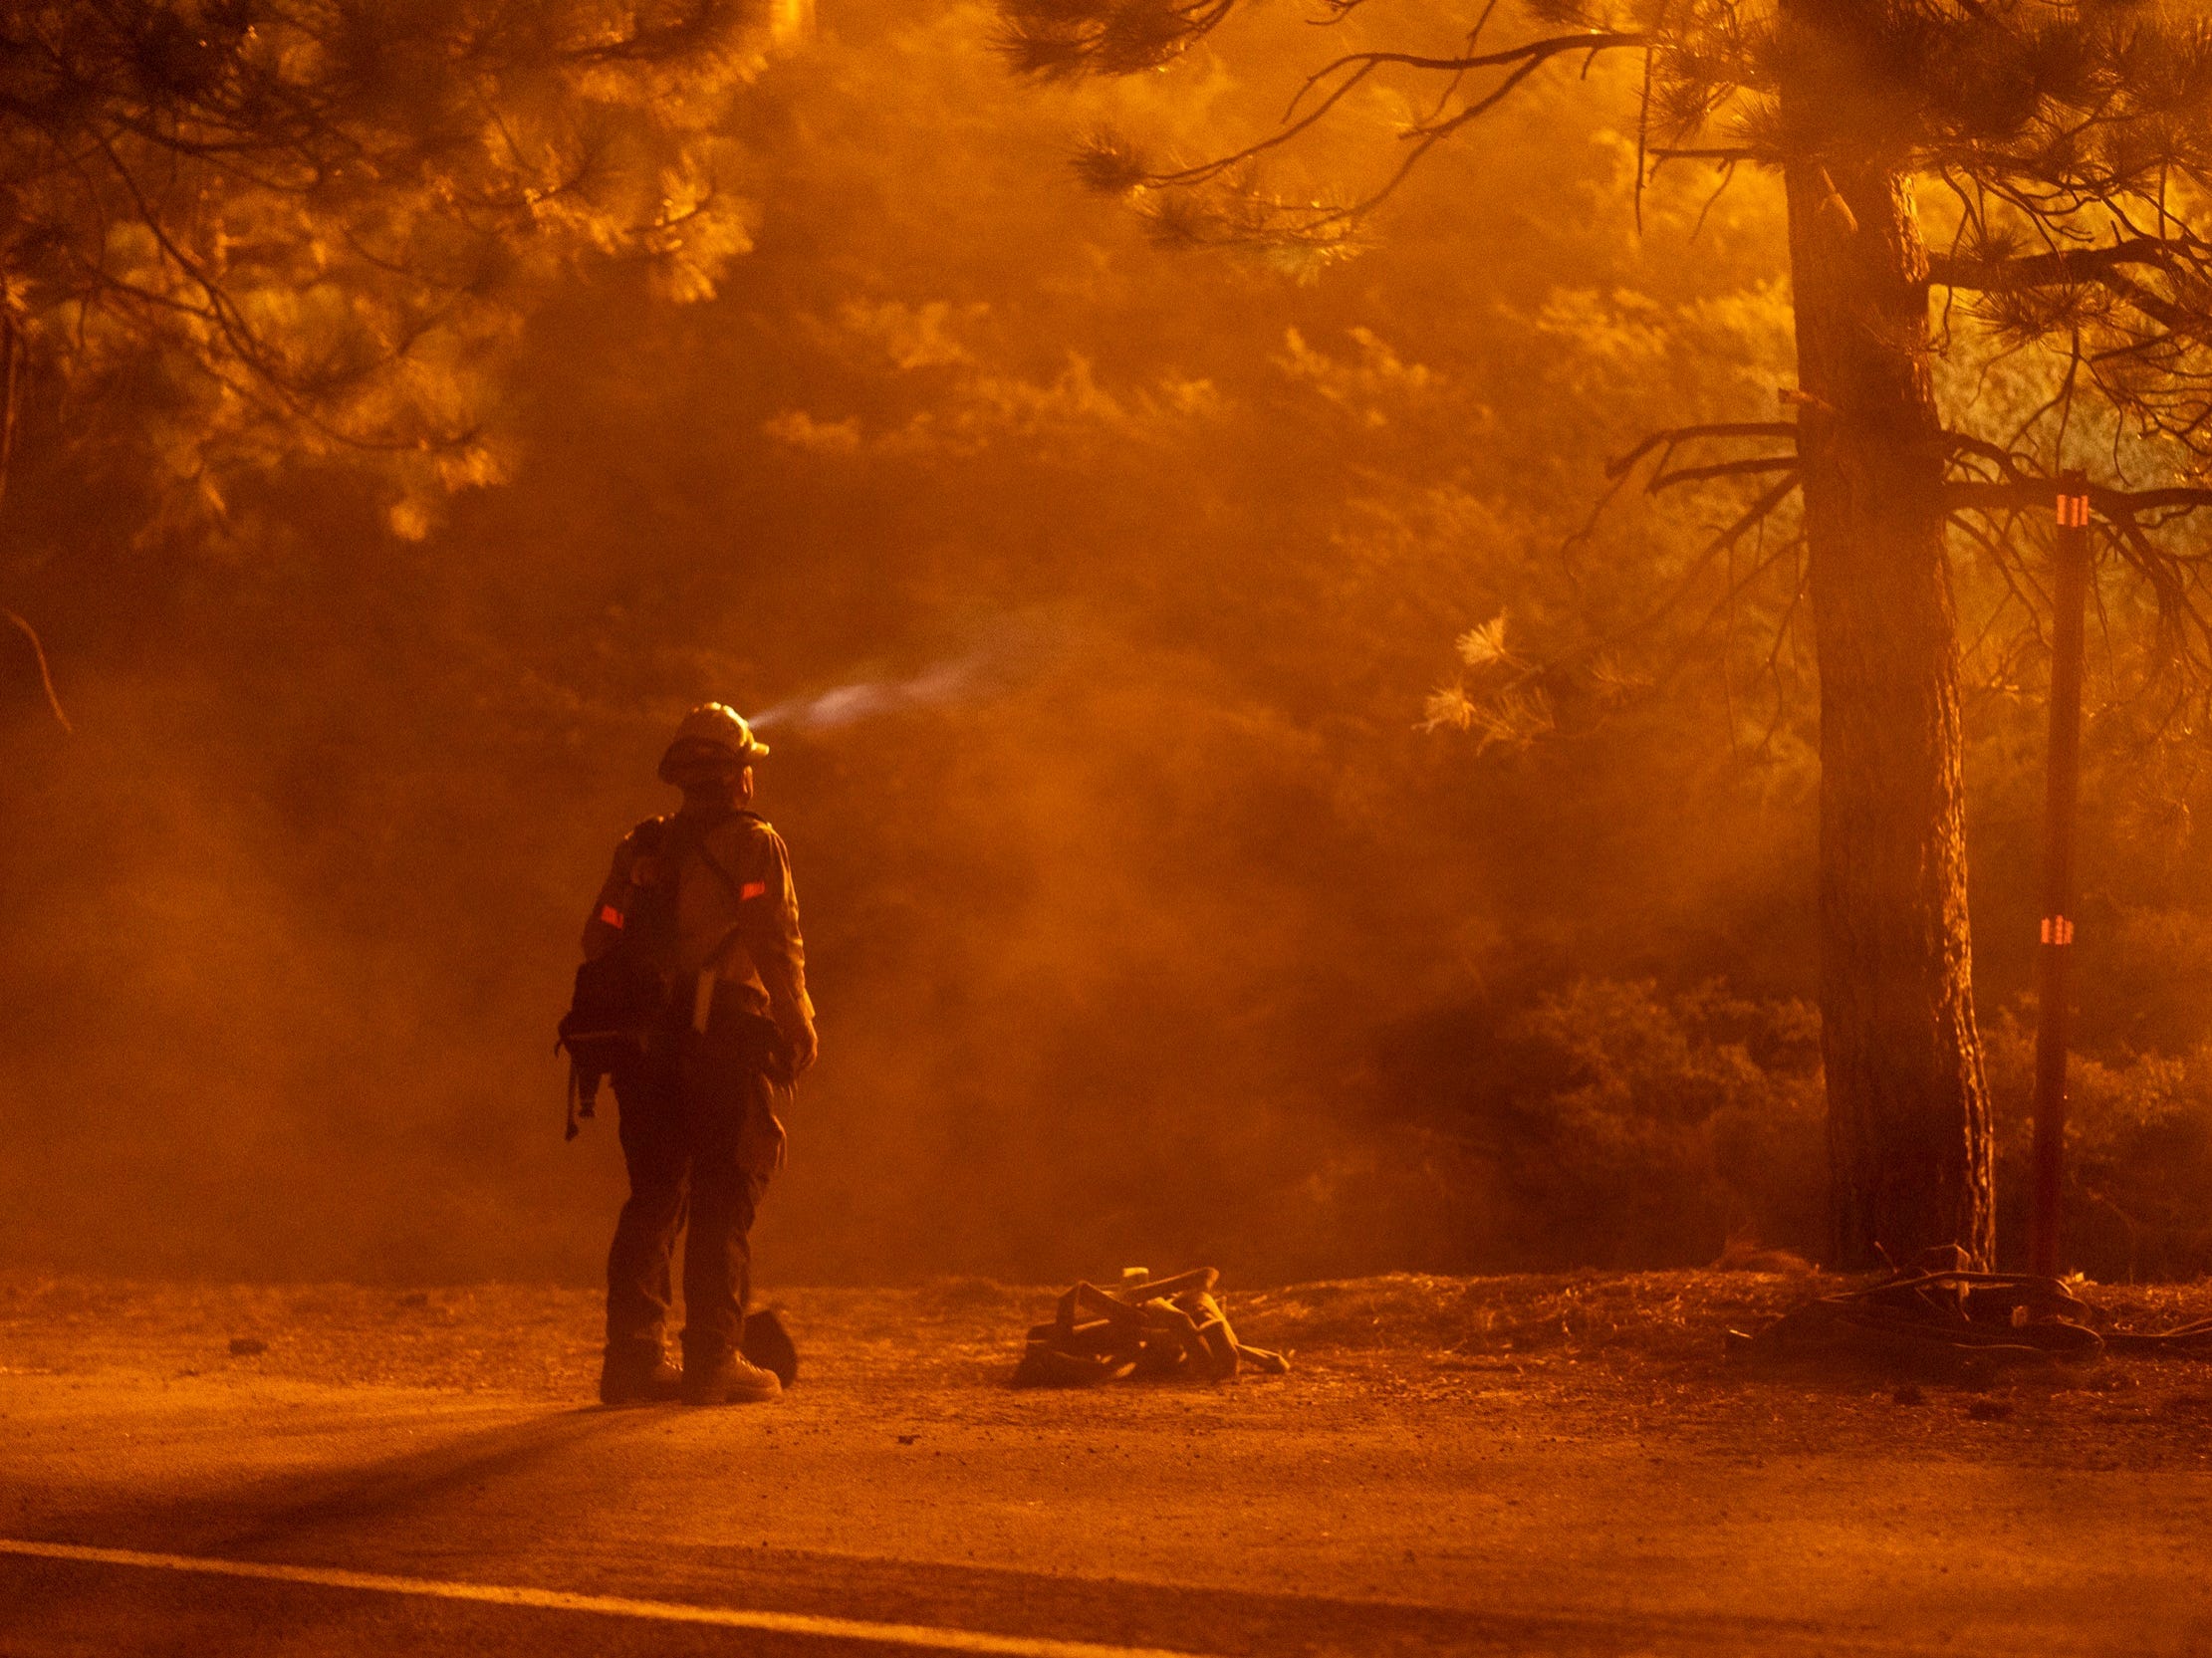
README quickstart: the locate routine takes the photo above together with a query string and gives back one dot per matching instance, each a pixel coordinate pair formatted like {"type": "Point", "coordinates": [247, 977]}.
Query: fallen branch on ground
{"type": "Point", "coordinates": [1946, 1317]}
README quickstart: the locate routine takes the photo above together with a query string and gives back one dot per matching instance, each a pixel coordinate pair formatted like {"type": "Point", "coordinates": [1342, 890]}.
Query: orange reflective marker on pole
{"type": "Point", "coordinates": [2062, 787]}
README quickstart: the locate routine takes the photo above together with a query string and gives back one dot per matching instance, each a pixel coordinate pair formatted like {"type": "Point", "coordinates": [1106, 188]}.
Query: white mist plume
{"type": "Point", "coordinates": [863, 699]}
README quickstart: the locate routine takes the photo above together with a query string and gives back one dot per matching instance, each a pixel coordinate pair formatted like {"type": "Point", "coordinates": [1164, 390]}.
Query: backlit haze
{"type": "Point", "coordinates": [1114, 615]}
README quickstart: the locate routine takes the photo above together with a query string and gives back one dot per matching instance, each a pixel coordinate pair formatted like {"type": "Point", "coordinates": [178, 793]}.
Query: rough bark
{"type": "Point", "coordinates": [1908, 1108]}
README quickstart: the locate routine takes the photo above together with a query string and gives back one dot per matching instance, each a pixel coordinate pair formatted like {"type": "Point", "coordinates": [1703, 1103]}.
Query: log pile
{"type": "Point", "coordinates": [1149, 1327]}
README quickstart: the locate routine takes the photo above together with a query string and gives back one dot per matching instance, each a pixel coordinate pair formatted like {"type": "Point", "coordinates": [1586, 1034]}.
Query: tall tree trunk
{"type": "Point", "coordinates": [1908, 1104]}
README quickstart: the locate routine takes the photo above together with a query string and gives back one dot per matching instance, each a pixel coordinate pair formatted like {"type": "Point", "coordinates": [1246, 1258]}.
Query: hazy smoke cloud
{"type": "Point", "coordinates": [1139, 915]}
{"type": "Point", "coordinates": [1144, 923]}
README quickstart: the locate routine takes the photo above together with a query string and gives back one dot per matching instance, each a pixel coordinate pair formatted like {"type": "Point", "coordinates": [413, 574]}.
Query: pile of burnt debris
{"type": "Point", "coordinates": [1154, 1327]}
{"type": "Point", "coordinates": [1941, 1317]}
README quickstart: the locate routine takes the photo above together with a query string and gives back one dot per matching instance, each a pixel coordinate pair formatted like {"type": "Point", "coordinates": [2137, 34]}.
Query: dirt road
{"type": "Point", "coordinates": [1609, 1490]}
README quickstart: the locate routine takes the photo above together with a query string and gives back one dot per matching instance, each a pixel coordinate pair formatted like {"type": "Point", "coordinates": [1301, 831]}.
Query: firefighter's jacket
{"type": "Point", "coordinates": [736, 911]}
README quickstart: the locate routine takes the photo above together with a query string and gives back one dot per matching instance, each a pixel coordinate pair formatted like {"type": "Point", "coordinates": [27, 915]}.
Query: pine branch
{"type": "Point", "coordinates": [1067, 40]}
{"type": "Point", "coordinates": [2113, 504]}
{"type": "Point", "coordinates": [2060, 267]}
{"type": "Point", "coordinates": [2034, 289]}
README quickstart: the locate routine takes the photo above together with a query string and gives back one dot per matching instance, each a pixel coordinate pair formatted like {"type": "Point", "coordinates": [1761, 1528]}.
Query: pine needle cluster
{"type": "Point", "coordinates": [1064, 40]}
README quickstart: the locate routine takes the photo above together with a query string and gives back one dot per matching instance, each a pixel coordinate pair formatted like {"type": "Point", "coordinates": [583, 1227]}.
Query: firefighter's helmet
{"type": "Point", "coordinates": [711, 735]}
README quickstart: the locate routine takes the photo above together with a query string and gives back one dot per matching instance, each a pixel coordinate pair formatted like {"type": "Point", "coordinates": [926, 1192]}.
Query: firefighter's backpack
{"type": "Point", "coordinates": [622, 996]}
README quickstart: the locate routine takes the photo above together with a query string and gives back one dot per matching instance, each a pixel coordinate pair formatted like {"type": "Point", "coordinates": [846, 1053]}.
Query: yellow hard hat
{"type": "Point", "coordinates": [713, 732]}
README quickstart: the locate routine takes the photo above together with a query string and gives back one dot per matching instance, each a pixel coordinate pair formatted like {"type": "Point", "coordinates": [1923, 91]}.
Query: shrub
{"type": "Point", "coordinates": [1623, 1126]}
{"type": "Point", "coordinates": [2138, 1156]}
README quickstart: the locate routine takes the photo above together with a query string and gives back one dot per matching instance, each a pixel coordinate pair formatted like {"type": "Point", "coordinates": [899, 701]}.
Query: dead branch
{"type": "Point", "coordinates": [1665, 480]}
{"type": "Point", "coordinates": [1676, 435]}
{"type": "Point", "coordinates": [46, 674]}
{"type": "Point", "coordinates": [1723, 154]}
{"type": "Point", "coordinates": [1750, 518]}
{"type": "Point", "coordinates": [2004, 459]}
{"type": "Point", "coordinates": [1355, 66]}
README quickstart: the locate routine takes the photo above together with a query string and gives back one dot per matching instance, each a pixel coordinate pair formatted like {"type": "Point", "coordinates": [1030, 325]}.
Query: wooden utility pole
{"type": "Point", "coordinates": [2062, 787]}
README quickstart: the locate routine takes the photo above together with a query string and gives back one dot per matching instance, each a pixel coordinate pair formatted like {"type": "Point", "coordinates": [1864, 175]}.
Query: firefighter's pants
{"type": "Point", "coordinates": [699, 1133]}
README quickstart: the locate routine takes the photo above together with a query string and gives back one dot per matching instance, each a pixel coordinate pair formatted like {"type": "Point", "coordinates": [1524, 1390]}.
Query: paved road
{"type": "Point", "coordinates": [1186, 1523]}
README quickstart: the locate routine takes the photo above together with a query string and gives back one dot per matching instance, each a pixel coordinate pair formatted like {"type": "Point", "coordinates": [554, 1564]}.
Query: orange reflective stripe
{"type": "Point", "coordinates": [612, 916]}
{"type": "Point", "coordinates": [752, 889]}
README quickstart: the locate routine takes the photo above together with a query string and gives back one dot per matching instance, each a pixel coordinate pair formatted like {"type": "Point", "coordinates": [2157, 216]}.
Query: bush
{"type": "Point", "coordinates": [1622, 1125]}
{"type": "Point", "coordinates": [1617, 1124]}
{"type": "Point", "coordinates": [2138, 1156]}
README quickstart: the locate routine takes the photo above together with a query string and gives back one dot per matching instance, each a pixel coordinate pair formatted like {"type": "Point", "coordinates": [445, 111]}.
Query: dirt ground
{"type": "Point", "coordinates": [1530, 1464]}
{"type": "Point", "coordinates": [1595, 1353]}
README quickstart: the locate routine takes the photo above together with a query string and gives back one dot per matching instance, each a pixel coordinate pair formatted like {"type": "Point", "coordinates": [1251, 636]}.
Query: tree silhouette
{"type": "Point", "coordinates": [2067, 151]}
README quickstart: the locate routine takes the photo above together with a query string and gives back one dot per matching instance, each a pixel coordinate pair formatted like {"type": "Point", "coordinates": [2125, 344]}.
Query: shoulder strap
{"type": "Point", "coordinates": [715, 863]}
{"type": "Point", "coordinates": [729, 881]}
{"type": "Point", "coordinates": [737, 891]}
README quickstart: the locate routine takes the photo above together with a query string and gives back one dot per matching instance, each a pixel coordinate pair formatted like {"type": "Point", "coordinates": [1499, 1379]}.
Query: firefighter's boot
{"type": "Point", "coordinates": [625, 1380]}
{"type": "Point", "coordinates": [731, 1379]}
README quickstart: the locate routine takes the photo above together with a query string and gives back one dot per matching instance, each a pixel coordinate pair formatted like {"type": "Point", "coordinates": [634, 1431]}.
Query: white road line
{"type": "Point", "coordinates": [920, 1636]}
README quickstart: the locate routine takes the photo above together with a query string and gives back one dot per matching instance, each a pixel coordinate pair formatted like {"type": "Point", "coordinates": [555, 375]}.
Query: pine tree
{"type": "Point", "coordinates": [2068, 151]}
{"type": "Point", "coordinates": [283, 229]}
